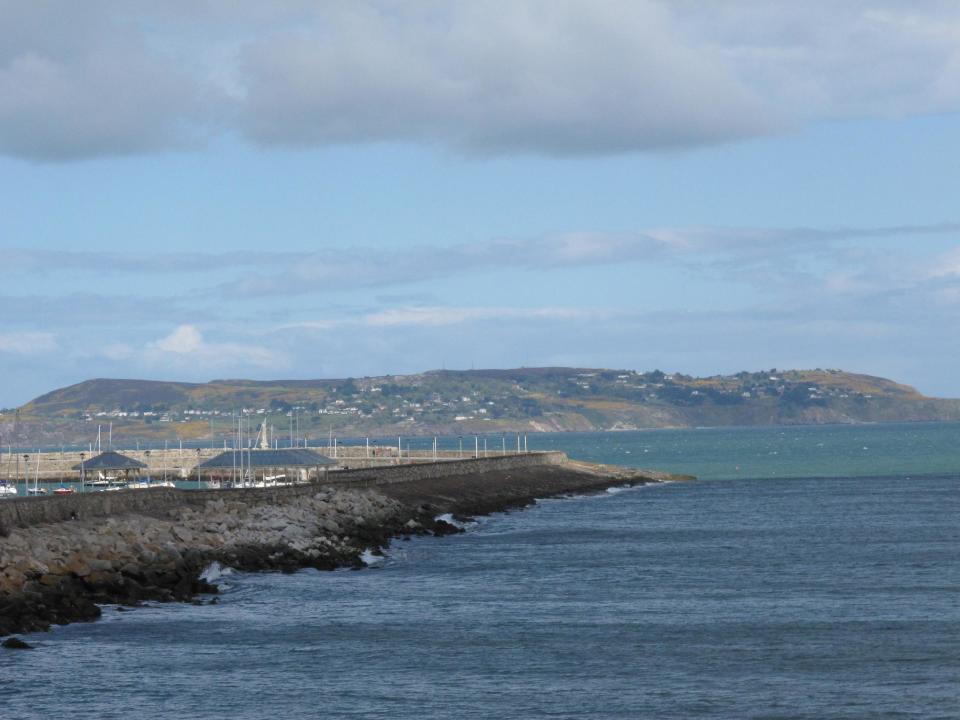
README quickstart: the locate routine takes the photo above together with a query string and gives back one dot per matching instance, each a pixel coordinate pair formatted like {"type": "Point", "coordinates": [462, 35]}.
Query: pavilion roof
{"type": "Point", "coordinates": [110, 460]}
{"type": "Point", "coordinates": [289, 458]}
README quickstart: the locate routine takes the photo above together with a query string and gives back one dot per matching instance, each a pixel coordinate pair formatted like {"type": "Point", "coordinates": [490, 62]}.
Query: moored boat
{"type": "Point", "coordinates": [147, 483]}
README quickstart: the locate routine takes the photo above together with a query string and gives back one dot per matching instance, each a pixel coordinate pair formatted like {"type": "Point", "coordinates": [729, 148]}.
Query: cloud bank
{"type": "Point", "coordinates": [548, 77]}
{"type": "Point", "coordinates": [871, 299]}
{"type": "Point", "coordinates": [742, 252]}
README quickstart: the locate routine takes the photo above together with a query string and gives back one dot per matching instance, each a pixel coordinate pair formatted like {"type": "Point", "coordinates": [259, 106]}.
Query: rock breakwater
{"type": "Point", "coordinates": [61, 572]}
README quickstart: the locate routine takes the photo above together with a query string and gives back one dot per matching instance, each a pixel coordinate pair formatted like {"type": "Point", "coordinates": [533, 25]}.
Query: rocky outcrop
{"type": "Point", "coordinates": [55, 573]}
{"type": "Point", "coordinates": [61, 572]}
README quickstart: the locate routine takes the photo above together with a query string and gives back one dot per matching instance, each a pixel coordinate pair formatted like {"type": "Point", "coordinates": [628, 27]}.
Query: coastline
{"type": "Point", "coordinates": [63, 571]}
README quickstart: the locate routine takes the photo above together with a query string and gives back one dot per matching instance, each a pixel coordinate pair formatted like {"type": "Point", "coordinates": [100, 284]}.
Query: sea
{"type": "Point", "coordinates": [809, 572]}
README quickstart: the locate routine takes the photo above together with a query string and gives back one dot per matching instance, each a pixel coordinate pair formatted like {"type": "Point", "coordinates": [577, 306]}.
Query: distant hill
{"type": "Point", "coordinates": [478, 401]}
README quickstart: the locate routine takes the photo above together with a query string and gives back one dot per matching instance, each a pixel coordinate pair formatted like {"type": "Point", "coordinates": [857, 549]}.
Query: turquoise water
{"type": "Point", "coordinates": [767, 595]}
{"type": "Point", "coordinates": [908, 449]}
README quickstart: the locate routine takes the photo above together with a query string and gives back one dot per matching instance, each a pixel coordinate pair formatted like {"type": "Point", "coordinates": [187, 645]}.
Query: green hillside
{"type": "Point", "coordinates": [477, 401]}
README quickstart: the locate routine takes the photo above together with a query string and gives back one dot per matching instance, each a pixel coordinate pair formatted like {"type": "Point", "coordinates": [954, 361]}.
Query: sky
{"type": "Point", "coordinates": [303, 189]}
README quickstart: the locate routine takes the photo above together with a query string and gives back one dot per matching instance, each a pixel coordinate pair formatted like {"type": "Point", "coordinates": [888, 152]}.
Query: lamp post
{"type": "Point", "coordinates": [26, 474]}
{"type": "Point", "coordinates": [198, 468]}
{"type": "Point", "coordinates": [460, 440]}
{"type": "Point", "coordinates": [83, 477]}
{"type": "Point", "coordinates": [146, 454]}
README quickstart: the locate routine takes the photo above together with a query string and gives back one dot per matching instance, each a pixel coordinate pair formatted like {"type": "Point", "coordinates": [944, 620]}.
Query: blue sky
{"type": "Point", "coordinates": [347, 188]}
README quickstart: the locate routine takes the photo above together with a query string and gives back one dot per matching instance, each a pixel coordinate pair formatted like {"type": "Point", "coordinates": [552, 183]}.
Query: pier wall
{"type": "Point", "coordinates": [172, 463]}
{"type": "Point", "coordinates": [159, 502]}
{"type": "Point", "coordinates": [179, 464]}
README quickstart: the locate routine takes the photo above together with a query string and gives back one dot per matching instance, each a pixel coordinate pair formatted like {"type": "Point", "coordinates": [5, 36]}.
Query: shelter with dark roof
{"type": "Point", "coordinates": [110, 462]}
{"type": "Point", "coordinates": [266, 466]}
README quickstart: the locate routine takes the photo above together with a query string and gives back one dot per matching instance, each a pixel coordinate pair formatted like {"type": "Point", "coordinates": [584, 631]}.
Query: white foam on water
{"type": "Point", "coordinates": [215, 571]}
{"type": "Point", "coordinates": [448, 518]}
{"type": "Point", "coordinates": [368, 558]}
{"type": "Point", "coordinates": [584, 496]}
{"type": "Point", "coordinates": [572, 496]}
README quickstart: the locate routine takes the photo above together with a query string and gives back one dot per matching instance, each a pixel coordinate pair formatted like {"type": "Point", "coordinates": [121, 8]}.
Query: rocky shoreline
{"type": "Point", "coordinates": [62, 572]}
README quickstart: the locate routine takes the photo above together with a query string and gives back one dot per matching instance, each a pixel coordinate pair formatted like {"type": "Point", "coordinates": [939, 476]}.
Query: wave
{"type": "Point", "coordinates": [450, 519]}
{"type": "Point", "coordinates": [368, 558]}
{"type": "Point", "coordinates": [214, 571]}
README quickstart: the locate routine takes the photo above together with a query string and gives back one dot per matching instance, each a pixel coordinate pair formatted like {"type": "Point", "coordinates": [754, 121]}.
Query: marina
{"type": "Point", "coordinates": [242, 462]}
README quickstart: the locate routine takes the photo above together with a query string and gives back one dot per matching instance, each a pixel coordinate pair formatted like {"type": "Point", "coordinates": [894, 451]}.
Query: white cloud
{"type": "Point", "coordinates": [439, 315]}
{"type": "Point", "coordinates": [754, 254]}
{"type": "Point", "coordinates": [946, 265]}
{"type": "Point", "coordinates": [39, 260]}
{"type": "Point", "coordinates": [186, 346]}
{"type": "Point", "coordinates": [117, 351]}
{"type": "Point", "coordinates": [840, 257]}
{"type": "Point", "coordinates": [183, 340]}
{"type": "Point", "coordinates": [828, 59]}
{"type": "Point", "coordinates": [28, 343]}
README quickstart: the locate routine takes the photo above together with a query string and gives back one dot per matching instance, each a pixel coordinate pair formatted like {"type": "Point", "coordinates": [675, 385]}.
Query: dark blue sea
{"type": "Point", "coordinates": [809, 573]}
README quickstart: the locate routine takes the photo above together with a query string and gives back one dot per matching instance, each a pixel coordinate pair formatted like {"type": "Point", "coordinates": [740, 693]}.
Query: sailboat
{"type": "Point", "coordinates": [36, 489]}
{"type": "Point", "coordinates": [101, 482]}
{"type": "Point", "coordinates": [149, 482]}
{"type": "Point", "coordinates": [8, 489]}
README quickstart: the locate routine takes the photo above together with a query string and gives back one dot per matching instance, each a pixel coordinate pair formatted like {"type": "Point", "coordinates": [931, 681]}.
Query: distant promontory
{"type": "Point", "coordinates": [470, 402]}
